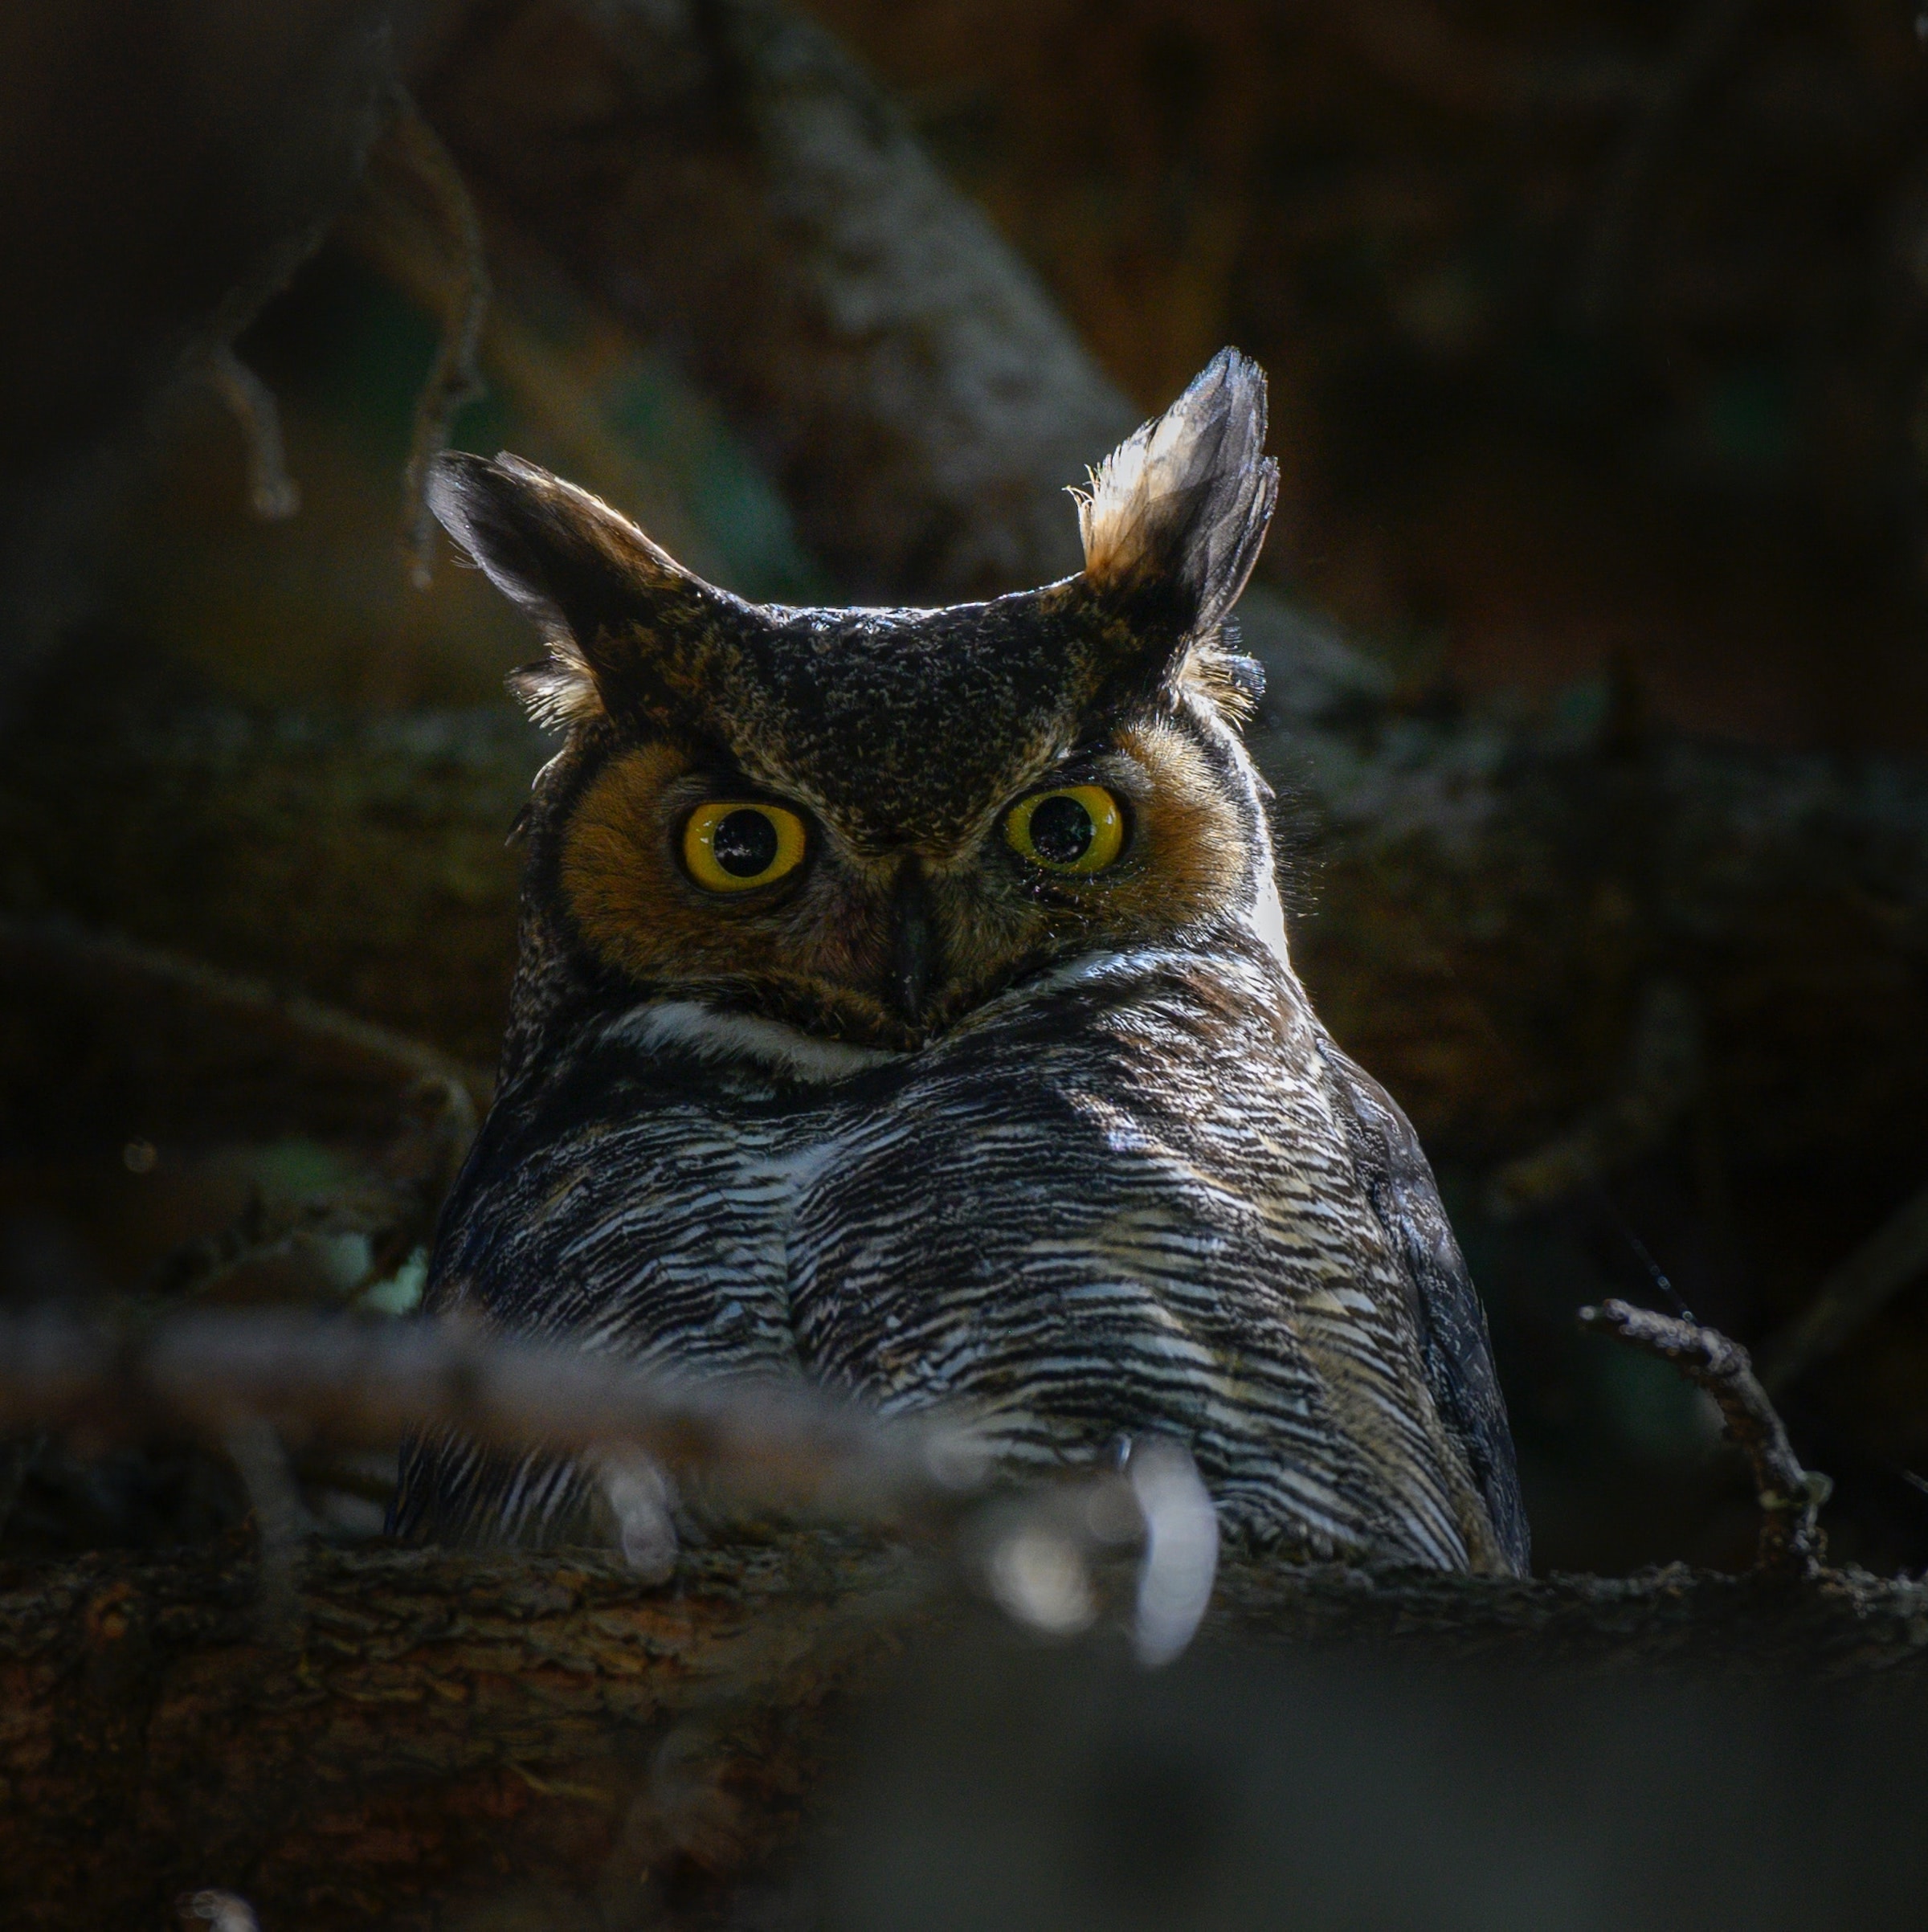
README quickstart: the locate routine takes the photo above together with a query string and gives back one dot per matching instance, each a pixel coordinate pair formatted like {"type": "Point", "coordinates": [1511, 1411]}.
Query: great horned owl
{"type": "Point", "coordinates": [904, 1003]}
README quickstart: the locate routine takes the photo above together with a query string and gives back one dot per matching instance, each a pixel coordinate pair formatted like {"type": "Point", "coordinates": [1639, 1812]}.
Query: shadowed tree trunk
{"type": "Point", "coordinates": [726, 180]}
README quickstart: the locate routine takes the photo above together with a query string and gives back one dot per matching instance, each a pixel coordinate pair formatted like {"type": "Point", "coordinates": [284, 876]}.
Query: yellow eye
{"type": "Point", "coordinates": [1077, 829]}
{"type": "Point", "coordinates": [736, 844]}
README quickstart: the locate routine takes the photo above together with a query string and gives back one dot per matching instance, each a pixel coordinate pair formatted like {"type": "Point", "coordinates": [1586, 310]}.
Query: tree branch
{"type": "Point", "coordinates": [458, 1731]}
{"type": "Point", "coordinates": [373, 1383]}
{"type": "Point", "coordinates": [1791, 1497]}
{"type": "Point", "coordinates": [729, 183]}
{"type": "Point", "coordinates": [128, 972]}
{"type": "Point", "coordinates": [411, 166]}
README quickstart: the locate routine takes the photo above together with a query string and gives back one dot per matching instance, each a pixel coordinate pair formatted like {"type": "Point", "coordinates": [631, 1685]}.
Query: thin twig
{"type": "Point", "coordinates": [388, 1215]}
{"type": "Point", "coordinates": [272, 494]}
{"type": "Point", "coordinates": [1665, 1072]}
{"type": "Point", "coordinates": [17, 1461]}
{"type": "Point", "coordinates": [1436, 59]}
{"type": "Point", "coordinates": [546, 385]}
{"type": "Point", "coordinates": [280, 1522]}
{"type": "Point", "coordinates": [1790, 1496]}
{"type": "Point", "coordinates": [223, 1911]}
{"type": "Point", "coordinates": [226, 1377]}
{"type": "Point", "coordinates": [410, 159]}
{"type": "Point", "coordinates": [1852, 1295]}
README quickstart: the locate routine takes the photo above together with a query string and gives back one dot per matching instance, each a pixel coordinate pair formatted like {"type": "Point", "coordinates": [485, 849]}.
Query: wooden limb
{"type": "Point", "coordinates": [544, 385]}
{"type": "Point", "coordinates": [135, 976]}
{"type": "Point", "coordinates": [1048, 1554]}
{"type": "Point", "coordinates": [449, 1730]}
{"type": "Point", "coordinates": [411, 164]}
{"type": "Point", "coordinates": [1791, 1497]}
{"type": "Point", "coordinates": [1471, 938]}
{"type": "Point", "coordinates": [461, 1730]}
{"type": "Point", "coordinates": [744, 195]}
{"type": "Point", "coordinates": [359, 865]}
{"type": "Point", "coordinates": [373, 1383]}
{"type": "Point", "coordinates": [167, 172]}
{"type": "Point", "coordinates": [1708, 37]}
{"type": "Point", "coordinates": [16, 1459]}
{"type": "Point", "coordinates": [273, 494]}
{"type": "Point", "coordinates": [255, 1448]}
{"type": "Point", "coordinates": [223, 1911]}
{"type": "Point", "coordinates": [348, 1237]}
{"type": "Point", "coordinates": [729, 182]}
{"type": "Point", "coordinates": [1664, 1076]}
{"type": "Point", "coordinates": [1426, 55]}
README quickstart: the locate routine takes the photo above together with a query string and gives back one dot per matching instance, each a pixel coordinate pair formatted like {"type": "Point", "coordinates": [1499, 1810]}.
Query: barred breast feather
{"type": "Point", "coordinates": [1097, 1174]}
{"type": "Point", "coordinates": [1142, 1194]}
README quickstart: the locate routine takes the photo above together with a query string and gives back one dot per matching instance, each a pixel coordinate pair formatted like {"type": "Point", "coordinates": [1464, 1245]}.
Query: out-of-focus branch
{"type": "Point", "coordinates": [1424, 53]}
{"type": "Point", "coordinates": [392, 232]}
{"type": "Point", "coordinates": [358, 863]}
{"type": "Point", "coordinates": [135, 976]}
{"type": "Point", "coordinates": [729, 183]}
{"type": "Point", "coordinates": [1458, 948]}
{"type": "Point", "coordinates": [1665, 1074]}
{"type": "Point", "coordinates": [345, 1382]}
{"type": "Point", "coordinates": [272, 493]}
{"type": "Point", "coordinates": [166, 170]}
{"type": "Point", "coordinates": [409, 167]}
{"type": "Point", "coordinates": [1708, 37]}
{"type": "Point", "coordinates": [1790, 1496]}
{"type": "Point", "coordinates": [221, 1911]}
{"type": "Point", "coordinates": [342, 1239]}
{"type": "Point", "coordinates": [246, 1380]}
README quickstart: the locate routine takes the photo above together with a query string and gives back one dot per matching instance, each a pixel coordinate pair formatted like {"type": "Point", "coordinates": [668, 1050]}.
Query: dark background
{"type": "Point", "coordinates": [1599, 376]}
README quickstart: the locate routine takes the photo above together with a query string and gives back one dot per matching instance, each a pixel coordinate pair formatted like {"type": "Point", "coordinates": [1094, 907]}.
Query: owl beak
{"type": "Point", "coordinates": [914, 956]}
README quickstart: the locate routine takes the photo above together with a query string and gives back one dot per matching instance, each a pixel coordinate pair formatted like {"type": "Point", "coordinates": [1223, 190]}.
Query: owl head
{"type": "Point", "coordinates": [867, 824]}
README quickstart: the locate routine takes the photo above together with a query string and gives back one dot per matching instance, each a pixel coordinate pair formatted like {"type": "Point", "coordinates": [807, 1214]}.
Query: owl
{"type": "Point", "coordinates": [903, 1003]}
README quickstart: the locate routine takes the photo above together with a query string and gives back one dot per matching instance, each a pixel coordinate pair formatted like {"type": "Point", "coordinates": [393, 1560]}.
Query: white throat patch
{"type": "Point", "coordinates": [738, 1038]}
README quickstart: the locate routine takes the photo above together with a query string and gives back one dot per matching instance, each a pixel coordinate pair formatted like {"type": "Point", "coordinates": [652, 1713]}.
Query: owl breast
{"type": "Point", "coordinates": [1120, 1204]}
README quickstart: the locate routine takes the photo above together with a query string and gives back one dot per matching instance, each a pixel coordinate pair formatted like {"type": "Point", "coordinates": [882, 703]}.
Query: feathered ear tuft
{"type": "Point", "coordinates": [1180, 509]}
{"type": "Point", "coordinates": [584, 575]}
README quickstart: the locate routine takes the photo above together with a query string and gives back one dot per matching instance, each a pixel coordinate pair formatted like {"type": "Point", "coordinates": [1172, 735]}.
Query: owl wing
{"type": "Point", "coordinates": [1454, 1343]}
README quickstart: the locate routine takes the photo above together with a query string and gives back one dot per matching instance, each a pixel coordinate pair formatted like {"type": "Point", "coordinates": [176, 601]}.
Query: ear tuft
{"type": "Point", "coordinates": [582, 573]}
{"type": "Point", "coordinates": [1181, 507]}
{"type": "Point", "coordinates": [557, 690]}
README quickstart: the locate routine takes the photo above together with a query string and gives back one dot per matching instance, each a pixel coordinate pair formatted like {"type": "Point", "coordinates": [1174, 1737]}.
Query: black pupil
{"type": "Point", "coordinates": [744, 843]}
{"type": "Point", "coordinates": [1061, 830]}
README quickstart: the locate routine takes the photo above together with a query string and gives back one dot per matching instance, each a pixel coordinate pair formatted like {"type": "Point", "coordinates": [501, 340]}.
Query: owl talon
{"type": "Point", "coordinates": [641, 1499]}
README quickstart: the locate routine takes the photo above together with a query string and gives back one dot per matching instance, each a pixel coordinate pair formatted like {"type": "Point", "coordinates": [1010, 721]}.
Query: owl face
{"type": "Point", "coordinates": [865, 823]}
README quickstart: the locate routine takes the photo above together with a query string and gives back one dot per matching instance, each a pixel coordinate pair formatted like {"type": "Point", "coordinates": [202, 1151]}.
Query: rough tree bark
{"type": "Point", "coordinates": [448, 1734]}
